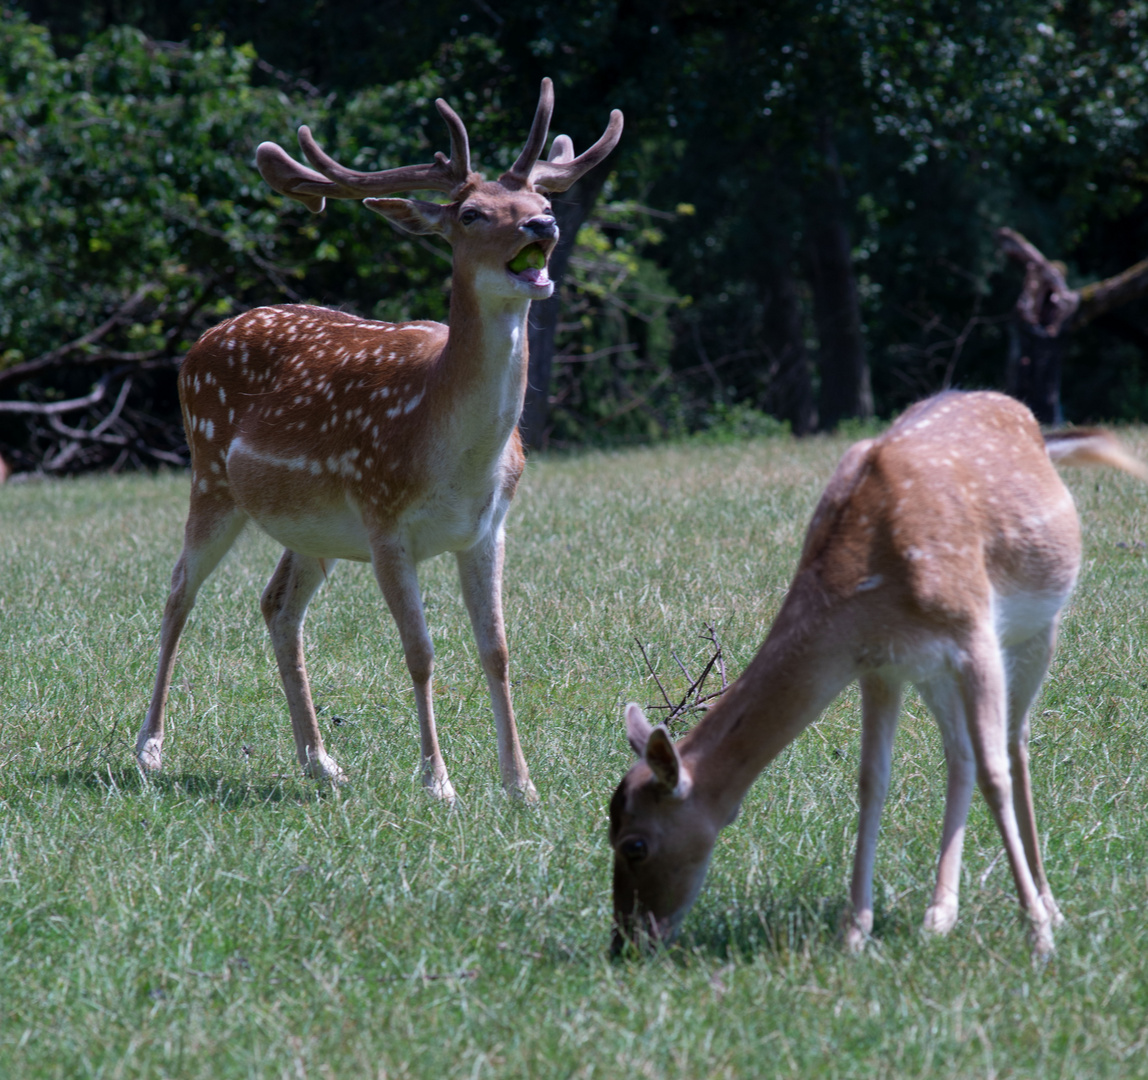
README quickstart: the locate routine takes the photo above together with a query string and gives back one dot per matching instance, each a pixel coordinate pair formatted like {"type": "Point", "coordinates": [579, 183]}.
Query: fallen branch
{"type": "Point", "coordinates": [55, 408]}
{"type": "Point", "coordinates": [30, 367]}
{"type": "Point", "coordinates": [102, 437]}
{"type": "Point", "coordinates": [97, 433]}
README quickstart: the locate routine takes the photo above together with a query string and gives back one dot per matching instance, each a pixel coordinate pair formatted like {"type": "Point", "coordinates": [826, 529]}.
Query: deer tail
{"type": "Point", "coordinates": [1092, 446]}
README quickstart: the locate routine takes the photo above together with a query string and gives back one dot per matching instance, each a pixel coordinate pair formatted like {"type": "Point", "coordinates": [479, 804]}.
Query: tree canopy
{"type": "Point", "coordinates": [800, 222]}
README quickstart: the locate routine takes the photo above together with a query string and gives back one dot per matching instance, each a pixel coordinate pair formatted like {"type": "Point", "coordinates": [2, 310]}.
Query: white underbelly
{"type": "Point", "coordinates": [912, 658]}
{"type": "Point", "coordinates": [1020, 615]}
{"type": "Point", "coordinates": [336, 534]}
{"type": "Point", "coordinates": [922, 656]}
{"type": "Point", "coordinates": [451, 525]}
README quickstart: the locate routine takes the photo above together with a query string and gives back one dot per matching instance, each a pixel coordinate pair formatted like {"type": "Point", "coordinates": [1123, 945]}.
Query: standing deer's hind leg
{"type": "Point", "coordinates": [284, 605]}
{"type": "Point", "coordinates": [397, 577]}
{"type": "Point", "coordinates": [1028, 664]}
{"type": "Point", "coordinates": [880, 704]}
{"type": "Point", "coordinates": [480, 571]}
{"type": "Point", "coordinates": [212, 527]}
{"type": "Point", "coordinates": [943, 697]}
{"type": "Point", "coordinates": [986, 704]}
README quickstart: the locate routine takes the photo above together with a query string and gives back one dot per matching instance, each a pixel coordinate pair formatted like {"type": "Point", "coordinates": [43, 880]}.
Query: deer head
{"type": "Point", "coordinates": [502, 232]}
{"type": "Point", "coordinates": [662, 838]}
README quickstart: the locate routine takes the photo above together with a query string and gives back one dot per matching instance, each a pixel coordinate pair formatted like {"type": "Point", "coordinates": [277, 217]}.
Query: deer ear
{"type": "Point", "coordinates": [411, 215]}
{"type": "Point", "coordinates": [638, 728]}
{"type": "Point", "coordinates": [665, 763]}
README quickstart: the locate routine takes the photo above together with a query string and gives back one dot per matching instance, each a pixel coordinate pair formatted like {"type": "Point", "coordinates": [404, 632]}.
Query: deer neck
{"type": "Point", "coordinates": [485, 358]}
{"type": "Point", "coordinates": [802, 666]}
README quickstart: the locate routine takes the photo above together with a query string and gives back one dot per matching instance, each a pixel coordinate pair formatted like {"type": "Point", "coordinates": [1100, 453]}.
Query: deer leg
{"type": "Point", "coordinates": [212, 527]}
{"type": "Point", "coordinates": [284, 604]}
{"type": "Point", "coordinates": [944, 700]}
{"type": "Point", "coordinates": [880, 704]}
{"type": "Point", "coordinates": [398, 579]}
{"type": "Point", "coordinates": [1027, 668]}
{"type": "Point", "coordinates": [986, 702]}
{"type": "Point", "coordinates": [480, 571]}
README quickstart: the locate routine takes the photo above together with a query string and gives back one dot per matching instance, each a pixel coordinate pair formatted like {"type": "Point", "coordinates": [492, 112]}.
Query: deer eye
{"type": "Point", "coordinates": [470, 215]}
{"type": "Point", "coordinates": [635, 849]}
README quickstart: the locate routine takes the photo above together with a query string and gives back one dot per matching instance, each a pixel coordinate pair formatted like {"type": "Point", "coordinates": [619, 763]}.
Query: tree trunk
{"type": "Point", "coordinates": [788, 393]}
{"type": "Point", "coordinates": [1045, 313]}
{"type": "Point", "coordinates": [845, 388]}
{"type": "Point", "coordinates": [1044, 309]}
{"type": "Point", "coordinates": [571, 208]}
{"type": "Point", "coordinates": [1033, 372]}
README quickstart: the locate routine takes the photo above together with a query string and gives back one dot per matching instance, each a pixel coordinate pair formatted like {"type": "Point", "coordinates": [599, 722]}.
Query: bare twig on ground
{"type": "Point", "coordinates": [694, 699]}
{"type": "Point", "coordinates": [665, 696]}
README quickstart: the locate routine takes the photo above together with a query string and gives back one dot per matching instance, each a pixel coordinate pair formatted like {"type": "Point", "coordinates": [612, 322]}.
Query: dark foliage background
{"type": "Point", "coordinates": [797, 229]}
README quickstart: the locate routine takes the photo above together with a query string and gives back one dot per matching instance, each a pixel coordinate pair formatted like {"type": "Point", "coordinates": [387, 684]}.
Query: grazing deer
{"type": "Point", "coordinates": [941, 554]}
{"type": "Point", "coordinates": [346, 438]}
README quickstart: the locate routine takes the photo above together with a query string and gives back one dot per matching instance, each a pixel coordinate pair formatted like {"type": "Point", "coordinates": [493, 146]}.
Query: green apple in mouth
{"type": "Point", "coordinates": [532, 257]}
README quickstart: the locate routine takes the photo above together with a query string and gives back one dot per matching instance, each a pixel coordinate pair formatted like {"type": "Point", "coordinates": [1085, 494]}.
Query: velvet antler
{"type": "Point", "coordinates": [334, 181]}
{"type": "Point", "coordinates": [562, 168]}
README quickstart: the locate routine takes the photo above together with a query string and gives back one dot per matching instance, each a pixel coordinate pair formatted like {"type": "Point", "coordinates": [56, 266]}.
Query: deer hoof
{"type": "Point", "coordinates": [523, 793]}
{"type": "Point", "coordinates": [939, 919]}
{"type": "Point", "coordinates": [149, 754]}
{"type": "Point", "coordinates": [860, 928]}
{"type": "Point", "coordinates": [322, 766]}
{"type": "Point", "coordinates": [440, 787]}
{"type": "Point", "coordinates": [1056, 917]}
{"type": "Point", "coordinates": [1043, 946]}
{"type": "Point", "coordinates": [855, 939]}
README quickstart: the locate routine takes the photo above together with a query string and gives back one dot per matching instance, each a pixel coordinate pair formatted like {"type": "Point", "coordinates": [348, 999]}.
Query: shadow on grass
{"type": "Point", "coordinates": [781, 924]}
{"type": "Point", "coordinates": [228, 791]}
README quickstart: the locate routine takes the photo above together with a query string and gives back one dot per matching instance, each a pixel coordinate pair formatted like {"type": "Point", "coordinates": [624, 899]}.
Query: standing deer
{"type": "Point", "coordinates": [941, 554]}
{"type": "Point", "coordinates": [346, 438]}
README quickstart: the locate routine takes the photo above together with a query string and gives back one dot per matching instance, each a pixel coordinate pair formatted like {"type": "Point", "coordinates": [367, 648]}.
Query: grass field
{"type": "Point", "coordinates": [229, 919]}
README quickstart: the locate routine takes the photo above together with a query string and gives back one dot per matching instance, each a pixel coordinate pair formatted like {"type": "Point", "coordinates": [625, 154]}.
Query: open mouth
{"type": "Point", "coordinates": [529, 265]}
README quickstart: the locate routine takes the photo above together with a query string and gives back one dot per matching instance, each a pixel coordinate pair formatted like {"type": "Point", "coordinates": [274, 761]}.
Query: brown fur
{"type": "Point", "coordinates": [390, 443]}
{"type": "Point", "coordinates": [940, 553]}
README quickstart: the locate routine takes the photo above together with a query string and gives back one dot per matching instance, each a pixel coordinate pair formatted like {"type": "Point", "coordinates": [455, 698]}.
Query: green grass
{"type": "Point", "coordinates": [231, 919]}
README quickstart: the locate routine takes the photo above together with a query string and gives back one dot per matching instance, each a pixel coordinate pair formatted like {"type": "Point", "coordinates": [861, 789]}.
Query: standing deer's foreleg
{"type": "Point", "coordinates": [1028, 664]}
{"type": "Point", "coordinates": [480, 571]}
{"type": "Point", "coordinates": [880, 704]}
{"type": "Point", "coordinates": [212, 526]}
{"type": "Point", "coordinates": [398, 579]}
{"type": "Point", "coordinates": [284, 604]}
{"type": "Point", "coordinates": [943, 697]}
{"type": "Point", "coordinates": [985, 696]}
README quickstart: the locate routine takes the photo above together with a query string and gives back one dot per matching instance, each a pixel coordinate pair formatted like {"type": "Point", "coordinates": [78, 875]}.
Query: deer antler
{"type": "Point", "coordinates": [562, 168]}
{"type": "Point", "coordinates": [519, 173]}
{"type": "Point", "coordinates": [334, 181]}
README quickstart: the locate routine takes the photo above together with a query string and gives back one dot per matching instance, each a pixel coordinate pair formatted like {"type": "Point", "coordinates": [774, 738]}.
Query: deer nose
{"type": "Point", "coordinates": [544, 226]}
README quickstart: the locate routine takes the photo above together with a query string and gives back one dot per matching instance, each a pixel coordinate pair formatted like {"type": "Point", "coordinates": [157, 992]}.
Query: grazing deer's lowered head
{"type": "Point", "coordinates": [387, 443]}
{"type": "Point", "coordinates": [941, 554]}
